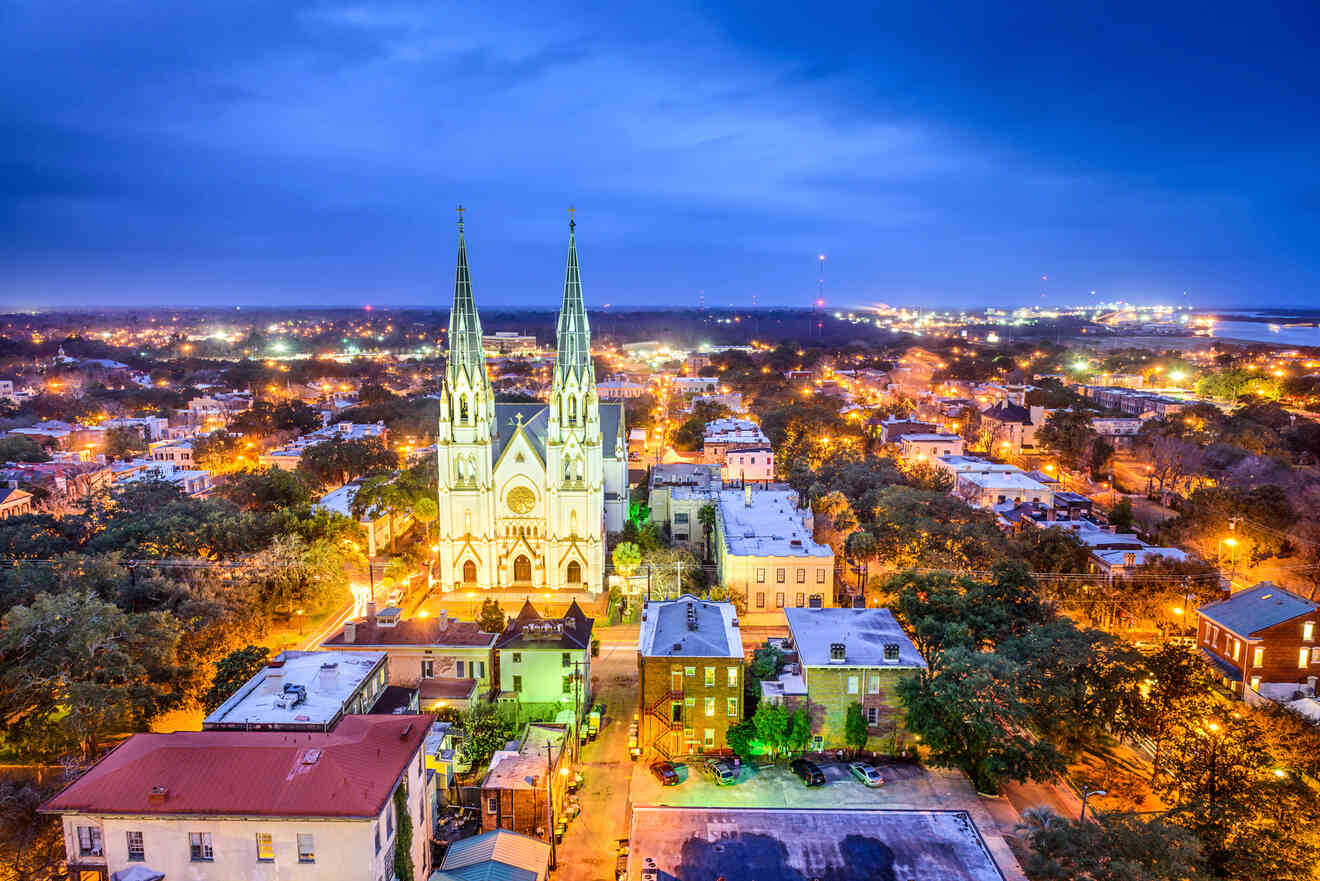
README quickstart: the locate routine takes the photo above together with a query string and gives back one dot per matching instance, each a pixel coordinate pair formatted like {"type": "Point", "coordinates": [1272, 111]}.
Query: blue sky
{"type": "Point", "coordinates": [303, 153]}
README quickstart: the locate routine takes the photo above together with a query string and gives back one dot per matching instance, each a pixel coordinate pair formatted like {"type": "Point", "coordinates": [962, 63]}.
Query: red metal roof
{"type": "Point", "coordinates": [261, 773]}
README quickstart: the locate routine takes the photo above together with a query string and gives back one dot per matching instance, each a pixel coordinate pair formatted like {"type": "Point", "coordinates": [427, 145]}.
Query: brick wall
{"type": "Point", "coordinates": [828, 698]}
{"type": "Point", "coordinates": [658, 694]}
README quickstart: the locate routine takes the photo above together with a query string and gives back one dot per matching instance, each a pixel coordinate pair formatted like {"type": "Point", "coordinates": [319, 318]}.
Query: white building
{"type": "Point", "coordinates": [677, 493]}
{"type": "Point", "coordinates": [956, 465]}
{"type": "Point", "coordinates": [766, 555]}
{"type": "Point", "coordinates": [927, 447]}
{"type": "Point", "coordinates": [152, 428]}
{"type": "Point", "coordinates": [755, 464]}
{"type": "Point", "coordinates": [304, 691]}
{"type": "Point", "coordinates": [177, 453]}
{"type": "Point", "coordinates": [289, 456]}
{"type": "Point", "coordinates": [194, 482]}
{"type": "Point", "coordinates": [723, 437]}
{"type": "Point", "coordinates": [257, 805]}
{"type": "Point", "coordinates": [527, 492]}
{"type": "Point", "coordinates": [696, 385]}
{"type": "Point", "coordinates": [982, 490]}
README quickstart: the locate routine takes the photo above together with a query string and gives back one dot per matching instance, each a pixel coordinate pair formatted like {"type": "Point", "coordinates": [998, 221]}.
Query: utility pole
{"type": "Point", "coordinates": [550, 800]}
{"type": "Point", "coordinates": [678, 578]}
{"type": "Point", "coordinates": [577, 711]}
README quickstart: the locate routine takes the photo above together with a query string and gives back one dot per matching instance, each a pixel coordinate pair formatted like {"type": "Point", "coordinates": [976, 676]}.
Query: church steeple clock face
{"type": "Point", "coordinates": [520, 500]}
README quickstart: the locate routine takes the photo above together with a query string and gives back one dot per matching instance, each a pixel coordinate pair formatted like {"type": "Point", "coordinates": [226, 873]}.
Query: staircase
{"type": "Point", "coordinates": [664, 725]}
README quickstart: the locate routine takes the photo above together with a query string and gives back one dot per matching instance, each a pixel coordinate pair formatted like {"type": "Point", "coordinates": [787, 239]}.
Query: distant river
{"type": "Point", "coordinates": [1259, 331]}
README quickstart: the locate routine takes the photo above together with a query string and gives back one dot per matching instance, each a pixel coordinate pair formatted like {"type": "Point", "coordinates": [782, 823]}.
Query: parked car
{"type": "Point", "coordinates": [665, 773]}
{"type": "Point", "coordinates": [865, 774]}
{"type": "Point", "coordinates": [810, 772]}
{"type": "Point", "coordinates": [721, 772]}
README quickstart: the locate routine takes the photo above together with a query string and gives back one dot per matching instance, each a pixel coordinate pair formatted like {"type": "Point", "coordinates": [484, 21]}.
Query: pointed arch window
{"type": "Point", "coordinates": [522, 570]}
{"type": "Point", "coordinates": [572, 410]}
{"type": "Point", "coordinates": [574, 574]}
{"type": "Point", "coordinates": [463, 409]}
{"type": "Point", "coordinates": [469, 573]}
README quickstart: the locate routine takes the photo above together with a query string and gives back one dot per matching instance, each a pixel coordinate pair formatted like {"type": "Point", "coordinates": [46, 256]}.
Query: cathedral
{"type": "Point", "coordinates": [527, 491]}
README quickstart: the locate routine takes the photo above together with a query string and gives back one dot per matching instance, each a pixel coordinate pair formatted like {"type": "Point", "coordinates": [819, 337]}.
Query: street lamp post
{"type": "Point", "coordinates": [299, 613]}
{"type": "Point", "coordinates": [1086, 794]}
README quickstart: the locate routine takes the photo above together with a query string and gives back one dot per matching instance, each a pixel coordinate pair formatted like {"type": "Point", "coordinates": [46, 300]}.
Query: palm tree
{"type": "Point", "coordinates": [706, 517]}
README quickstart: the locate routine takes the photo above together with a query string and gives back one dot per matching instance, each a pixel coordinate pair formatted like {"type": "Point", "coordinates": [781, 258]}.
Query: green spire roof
{"type": "Point", "coordinates": [574, 336]}
{"type": "Point", "coordinates": [464, 325]}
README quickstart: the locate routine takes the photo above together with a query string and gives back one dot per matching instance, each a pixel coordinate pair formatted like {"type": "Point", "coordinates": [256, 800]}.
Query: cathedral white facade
{"type": "Point", "coordinates": [527, 492]}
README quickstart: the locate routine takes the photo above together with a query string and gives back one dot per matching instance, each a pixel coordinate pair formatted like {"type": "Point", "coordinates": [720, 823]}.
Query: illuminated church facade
{"type": "Point", "coordinates": [527, 492]}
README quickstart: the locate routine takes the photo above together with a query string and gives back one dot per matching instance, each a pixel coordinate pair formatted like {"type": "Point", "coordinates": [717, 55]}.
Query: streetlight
{"type": "Point", "coordinates": [299, 613]}
{"type": "Point", "coordinates": [1232, 547]}
{"type": "Point", "coordinates": [1086, 794]}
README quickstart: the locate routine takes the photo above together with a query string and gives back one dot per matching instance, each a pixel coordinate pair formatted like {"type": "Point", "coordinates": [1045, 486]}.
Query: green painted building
{"type": "Point", "coordinates": [544, 664]}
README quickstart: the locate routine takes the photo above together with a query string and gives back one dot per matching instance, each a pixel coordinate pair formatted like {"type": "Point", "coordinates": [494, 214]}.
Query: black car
{"type": "Point", "coordinates": [810, 772]}
{"type": "Point", "coordinates": [665, 773]}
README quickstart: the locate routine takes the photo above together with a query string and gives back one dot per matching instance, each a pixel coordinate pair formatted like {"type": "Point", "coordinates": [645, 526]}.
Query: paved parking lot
{"type": "Point", "coordinates": [906, 786]}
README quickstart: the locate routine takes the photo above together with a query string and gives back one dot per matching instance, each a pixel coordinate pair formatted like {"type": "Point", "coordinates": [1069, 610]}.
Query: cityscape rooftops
{"type": "Point", "coordinates": [868, 638]}
{"type": "Point", "coordinates": [386, 629]}
{"type": "Point", "coordinates": [970, 464]}
{"type": "Point", "coordinates": [530, 630]}
{"type": "Point", "coordinates": [734, 431]}
{"type": "Point", "coordinates": [686, 480]}
{"type": "Point", "coordinates": [691, 628]}
{"type": "Point", "coordinates": [299, 690]}
{"type": "Point", "coordinates": [1257, 608]}
{"type": "Point", "coordinates": [498, 855]}
{"type": "Point", "coordinates": [1010, 480]}
{"type": "Point", "coordinates": [347, 772]}
{"type": "Point", "coordinates": [766, 523]}
{"type": "Point", "coordinates": [525, 767]}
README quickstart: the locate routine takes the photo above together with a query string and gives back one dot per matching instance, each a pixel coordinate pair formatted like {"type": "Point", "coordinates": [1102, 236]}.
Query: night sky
{"type": "Point", "coordinates": [279, 152]}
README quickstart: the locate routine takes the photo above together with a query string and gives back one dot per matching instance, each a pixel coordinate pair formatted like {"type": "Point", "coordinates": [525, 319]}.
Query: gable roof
{"type": "Point", "coordinates": [1006, 412]}
{"type": "Point", "coordinates": [347, 772]}
{"type": "Point", "coordinates": [415, 631]}
{"type": "Point", "coordinates": [863, 633]}
{"type": "Point", "coordinates": [499, 855]}
{"type": "Point", "coordinates": [1257, 608]}
{"type": "Point", "coordinates": [711, 631]}
{"type": "Point", "coordinates": [574, 629]}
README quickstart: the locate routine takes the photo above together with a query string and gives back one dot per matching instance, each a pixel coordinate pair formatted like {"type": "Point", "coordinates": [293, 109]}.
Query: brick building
{"type": "Point", "coordinates": [690, 666]}
{"type": "Point", "coordinates": [1259, 637]}
{"type": "Point", "coordinates": [515, 790]}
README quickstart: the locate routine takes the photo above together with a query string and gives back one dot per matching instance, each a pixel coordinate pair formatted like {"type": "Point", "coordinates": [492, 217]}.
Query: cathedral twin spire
{"type": "Point", "coordinates": [466, 367]}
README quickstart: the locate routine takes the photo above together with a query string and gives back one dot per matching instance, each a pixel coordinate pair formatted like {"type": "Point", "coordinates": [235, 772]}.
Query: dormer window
{"type": "Point", "coordinates": [891, 651]}
{"type": "Point", "coordinates": [837, 652]}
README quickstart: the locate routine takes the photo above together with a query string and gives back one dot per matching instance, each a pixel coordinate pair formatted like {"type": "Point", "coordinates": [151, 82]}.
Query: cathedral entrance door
{"type": "Point", "coordinates": [522, 570]}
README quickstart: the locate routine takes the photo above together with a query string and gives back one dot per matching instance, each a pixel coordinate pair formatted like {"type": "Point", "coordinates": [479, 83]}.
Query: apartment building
{"type": "Point", "coordinates": [1263, 639]}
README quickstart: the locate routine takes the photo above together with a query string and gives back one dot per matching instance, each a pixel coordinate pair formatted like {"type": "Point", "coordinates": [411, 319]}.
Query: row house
{"type": "Point", "coordinates": [1262, 639]}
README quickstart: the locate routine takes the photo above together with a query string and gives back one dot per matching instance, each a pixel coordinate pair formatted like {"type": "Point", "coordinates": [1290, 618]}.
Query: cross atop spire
{"type": "Point", "coordinates": [465, 351]}
{"type": "Point", "coordinates": [574, 335]}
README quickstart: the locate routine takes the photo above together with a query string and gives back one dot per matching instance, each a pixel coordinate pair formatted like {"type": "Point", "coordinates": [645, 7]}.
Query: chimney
{"type": "Point", "coordinates": [159, 795]}
{"type": "Point", "coordinates": [328, 678]}
{"type": "Point", "coordinates": [747, 495]}
{"type": "Point", "coordinates": [442, 619]}
{"type": "Point", "coordinates": [371, 611]}
{"type": "Point", "coordinates": [350, 631]}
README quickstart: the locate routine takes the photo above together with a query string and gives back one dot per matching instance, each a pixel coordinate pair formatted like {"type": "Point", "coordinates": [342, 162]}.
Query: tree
{"type": "Point", "coordinates": [1174, 676]}
{"type": "Point", "coordinates": [22, 448]}
{"type": "Point", "coordinates": [78, 668]}
{"type": "Point", "coordinates": [741, 739]}
{"type": "Point", "coordinates": [690, 435]}
{"type": "Point", "coordinates": [31, 843]}
{"type": "Point", "coordinates": [771, 724]}
{"type": "Point", "coordinates": [264, 490]}
{"type": "Point", "coordinates": [491, 617]}
{"type": "Point", "coordinates": [381, 496]}
{"type": "Point", "coordinates": [220, 452]}
{"type": "Point", "coordinates": [1120, 516]}
{"type": "Point", "coordinates": [970, 716]}
{"type": "Point", "coordinates": [231, 672]}
{"type": "Point", "coordinates": [122, 443]}
{"type": "Point", "coordinates": [291, 572]}
{"type": "Point", "coordinates": [425, 511]}
{"type": "Point", "coordinates": [486, 728]}
{"type": "Point", "coordinates": [335, 462]}
{"type": "Point", "coordinates": [706, 517]}
{"type": "Point", "coordinates": [854, 728]}
{"type": "Point", "coordinates": [1052, 550]}
{"type": "Point", "coordinates": [1069, 434]}
{"type": "Point", "coordinates": [626, 558]}
{"type": "Point", "coordinates": [919, 528]}
{"type": "Point", "coordinates": [1114, 847]}
{"type": "Point", "coordinates": [799, 729]}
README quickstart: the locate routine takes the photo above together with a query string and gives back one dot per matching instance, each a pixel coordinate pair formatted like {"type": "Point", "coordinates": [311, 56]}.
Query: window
{"type": "Point", "coordinates": [873, 685]}
{"type": "Point", "coordinates": [568, 685]}
{"type": "Point", "coordinates": [710, 677]}
{"type": "Point", "coordinates": [565, 660]}
{"type": "Point", "coordinates": [760, 601]}
{"type": "Point", "coordinates": [820, 576]}
{"type": "Point", "coordinates": [798, 599]}
{"type": "Point", "coordinates": [459, 668]}
{"type": "Point", "coordinates": [517, 657]}
{"type": "Point", "coordinates": [89, 840]}
{"type": "Point", "coordinates": [760, 576]}
{"type": "Point", "coordinates": [733, 677]}
{"type": "Point", "coordinates": [306, 848]}
{"type": "Point", "coordinates": [478, 668]}
{"type": "Point", "coordinates": [1237, 649]}
{"type": "Point", "coordinates": [676, 711]}
{"type": "Point", "coordinates": [199, 847]}
{"type": "Point", "coordinates": [1308, 630]}
{"type": "Point", "coordinates": [1255, 683]}
{"type": "Point", "coordinates": [814, 601]}
{"type": "Point", "coordinates": [681, 517]}
{"type": "Point", "coordinates": [872, 715]}
{"type": "Point", "coordinates": [817, 742]}
{"type": "Point", "coordinates": [733, 708]}
{"type": "Point", "coordinates": [689, 671]}
{"type": "Point", "coordinates": [1258, 657]}
{"type": "Point", "coordinates": [779, 575]}
{"type": "Point", "coordinates": [428, 669]}
{"type": "Point", "coordinates": [517, 682]}
{"type": "Point", "coordinates": [265, 848]}
{"type": "Point", "coordinates": [710, 706]}
{"type": "Point", "coordinates": [375, 832]}
{"type": "Point", "coordinates": [492, 807]}
{"type": "Point", "coordinates": [708, 741]}
{"type": "Point", "coordinates": [891, 651]}
{"type": "Point", "coordinates": [1315, 654]}
{"type": "Point", "coordinates": [690, 703]}
{"type": "Point", "coordinates": [852, 684]}
{"type": "Point", "coordinates": [802, 576]}
{"type": "Point", "coordinates": [779, 600]}
{"type": "Point", "coordinates": [1303, 656]}
{"type": "Point", "coordinates": [137, 849]}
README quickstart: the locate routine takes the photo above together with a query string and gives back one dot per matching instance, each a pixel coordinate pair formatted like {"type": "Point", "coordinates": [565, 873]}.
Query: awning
{"type": "Point", "coordinates": [137, 873]}
{"type": "Point", "coordinates": [1222, 667]}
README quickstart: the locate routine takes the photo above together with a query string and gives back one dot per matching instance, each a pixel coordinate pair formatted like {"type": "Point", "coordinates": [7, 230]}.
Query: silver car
{"type": "Point", "coordinates": [865, 774]}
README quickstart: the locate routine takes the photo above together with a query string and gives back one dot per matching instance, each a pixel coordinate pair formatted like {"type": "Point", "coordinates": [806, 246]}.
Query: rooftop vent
{"type": "Point", "coordinates": [159, 795]}
{"type": "Point", "coordinates": [691, 616]}
{"type": "Point", "coordinates": [678, 646]}
{"type": "Point", "coordinates": [838, 653]}
{"type": "Point", "coordinates": [311, 757]}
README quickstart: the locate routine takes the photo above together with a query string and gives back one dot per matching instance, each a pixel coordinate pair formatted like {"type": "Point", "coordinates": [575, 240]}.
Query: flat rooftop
{"type": "Point", "coordinates": [330, 680]}
{"type": "Point", "coordinates": [1003, 480]}
{"type": "Point", "coordinates": [771, 526]}
{"type": "Point", "coordinates": [702, 844]}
